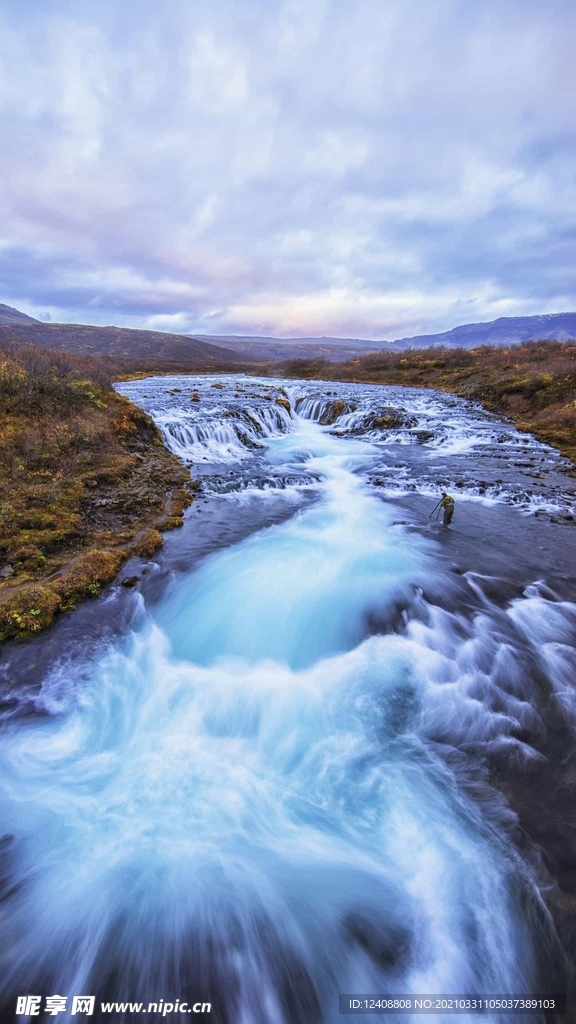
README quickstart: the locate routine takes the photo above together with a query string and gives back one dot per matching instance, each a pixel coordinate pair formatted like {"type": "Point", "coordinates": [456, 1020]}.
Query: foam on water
{"type": "Point", "coordinates": [251, 798]}
{"type": "Point", "coordinates": [430, 435]}
{"type": "Point", "coordinates": [312, 582]}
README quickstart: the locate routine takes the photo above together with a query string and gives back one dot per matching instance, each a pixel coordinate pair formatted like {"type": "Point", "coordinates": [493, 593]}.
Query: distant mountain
{"type": "Point", "coordinates": [507, 330]}
{"type": "Point", "coordinates": [144, 348]}
{"type": "Point", "coordinates": [337, 350]}
{"type": "Point", "coordinates": [9, 315]}
{"type": "Point", "coordinates": [122, 344]}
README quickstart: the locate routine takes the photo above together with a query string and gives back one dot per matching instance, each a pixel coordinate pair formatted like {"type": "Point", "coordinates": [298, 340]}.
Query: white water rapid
{"type": "Point", "coordinates": [272, 788]}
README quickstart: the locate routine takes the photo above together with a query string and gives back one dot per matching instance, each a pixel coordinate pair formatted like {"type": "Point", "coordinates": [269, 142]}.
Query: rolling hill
{"type": "Point", "coordinates": [506, 330]}
{"type": "Point", "coordinates": [9, 315]}
{"type": "Point", "coordinates": [144, 349]}
{"type": "Point", "coordinates": [337, 350]}
{"type": "Point", "coordinates": [122, 345]}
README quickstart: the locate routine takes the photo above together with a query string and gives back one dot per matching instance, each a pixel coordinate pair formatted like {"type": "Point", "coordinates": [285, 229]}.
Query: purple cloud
{"type": "Point", "coordinates": [288, 167]}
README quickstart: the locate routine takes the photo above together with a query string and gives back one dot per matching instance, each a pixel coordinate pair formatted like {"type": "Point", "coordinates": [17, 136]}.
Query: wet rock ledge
{"type": "Point", "coordinates": [85, 482]}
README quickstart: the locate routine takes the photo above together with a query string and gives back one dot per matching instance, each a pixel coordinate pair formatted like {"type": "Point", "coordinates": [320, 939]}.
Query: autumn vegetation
{"type": "Point", "coordinates": [534, 383]}
{"type": "Point", "coordinates": [85, 481]}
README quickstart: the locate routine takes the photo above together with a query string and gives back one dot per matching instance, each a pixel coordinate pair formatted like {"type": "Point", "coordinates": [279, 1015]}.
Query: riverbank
{"type": "Point", "coordinates": [85, 482]}
{"type": "Point", "coordinates": [533, 384]}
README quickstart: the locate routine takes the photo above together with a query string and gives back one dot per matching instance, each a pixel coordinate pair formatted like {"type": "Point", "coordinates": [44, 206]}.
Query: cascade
{"type": "Point", "coordinates": [272, 787]}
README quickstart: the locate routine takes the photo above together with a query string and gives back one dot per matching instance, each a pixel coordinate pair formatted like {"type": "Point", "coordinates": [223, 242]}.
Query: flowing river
{"type": "Point", "coordinates": [306, 755]}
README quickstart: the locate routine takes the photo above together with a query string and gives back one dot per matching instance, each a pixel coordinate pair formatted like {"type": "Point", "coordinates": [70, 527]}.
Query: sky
{"type": "Point", "coordinates": [351, 168]}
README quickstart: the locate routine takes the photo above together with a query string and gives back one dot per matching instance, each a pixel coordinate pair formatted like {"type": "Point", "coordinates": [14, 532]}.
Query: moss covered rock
{"type": "Point", "coordinates": [28, 609]}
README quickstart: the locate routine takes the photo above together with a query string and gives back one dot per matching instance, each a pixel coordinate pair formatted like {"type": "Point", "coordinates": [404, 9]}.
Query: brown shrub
{"type": "Point", "coordinates": [149, 544]}
{"type": "Point", "coordinates": [171, 522]}
{"type": "Point", "coordinates": [88, 574]}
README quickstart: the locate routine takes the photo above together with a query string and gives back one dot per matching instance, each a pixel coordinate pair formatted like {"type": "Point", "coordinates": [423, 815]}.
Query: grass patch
{"type": "Point", "coordinates": [85, 480]}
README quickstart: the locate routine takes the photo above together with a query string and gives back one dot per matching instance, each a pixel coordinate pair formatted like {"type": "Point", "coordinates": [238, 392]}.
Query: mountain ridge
{"type": "Point", "coordinates": [127, 343]}
{"type": "Point", "coordinates": [506, 330]}
{"type": "Point", "coordinates": [11, 315]}
{"type": "Point", "coordinates": [503, 331]}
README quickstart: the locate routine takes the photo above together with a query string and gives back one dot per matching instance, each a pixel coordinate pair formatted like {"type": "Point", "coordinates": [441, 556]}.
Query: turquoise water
{"type": "Point", "coordinates": [241, 800]}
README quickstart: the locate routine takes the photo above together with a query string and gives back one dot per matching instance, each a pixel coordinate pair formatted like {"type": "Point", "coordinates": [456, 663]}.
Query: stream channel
{"type": "Point", "coordinates": [325, 745]}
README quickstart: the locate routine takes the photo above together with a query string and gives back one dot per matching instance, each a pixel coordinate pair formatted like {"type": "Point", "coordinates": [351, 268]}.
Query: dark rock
{"type": "Point", "coordinates": [130, 581]}
{"type": "Point", "coordinates": [422, 436]}
{"type": "Point", "coordinates": [333, 410]}
{"type": "Point", "coordinates": [387, 418]}
{"type": "Point", "coordinates": [247, 441]}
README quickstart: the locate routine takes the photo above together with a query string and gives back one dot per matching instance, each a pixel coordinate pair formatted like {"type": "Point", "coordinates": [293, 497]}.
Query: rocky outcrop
{"type": "Point", "coordinates": [333, 410]}
{"type": "Point", "coordinates": [386, 418]}
{"type": "Point", "coordinates": [389, 418]}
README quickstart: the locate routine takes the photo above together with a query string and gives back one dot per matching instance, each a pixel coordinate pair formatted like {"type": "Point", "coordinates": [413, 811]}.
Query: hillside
{"type": "Point", "coordinates": [122, 345]}
{"type": "Point", "coordinates": [9, 315]}
{"type": "Point", "coordinates": [337, 350]}
{"type": "Point", "coordinates": [152, 347]}
{"type": "Point", "coordinates": [504, 331]}
{"type": "Point", "coordinates": [85, 481]}
{"type": "Point", "coordinates": [507, 330]}
{"type": "Point", "coordinates": [130, 350]}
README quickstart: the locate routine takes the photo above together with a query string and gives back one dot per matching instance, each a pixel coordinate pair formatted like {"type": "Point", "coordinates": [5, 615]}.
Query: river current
{"type": "Point", "coordinates": [292, 762]}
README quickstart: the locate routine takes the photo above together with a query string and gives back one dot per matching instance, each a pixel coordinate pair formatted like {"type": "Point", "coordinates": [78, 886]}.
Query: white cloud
{"type": "Point", "coordinates": [218, 80]}
{"type": "Point", "coordinates": [313, 166]}
{"type": "Point", "coordinates": [335, 154]}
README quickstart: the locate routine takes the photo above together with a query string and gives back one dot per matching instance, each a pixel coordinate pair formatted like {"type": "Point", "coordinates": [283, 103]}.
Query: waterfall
{"type": "Point", "coordinates": [270, 789]}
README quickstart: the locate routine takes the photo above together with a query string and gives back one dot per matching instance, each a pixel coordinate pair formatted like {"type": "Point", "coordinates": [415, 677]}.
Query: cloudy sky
{"type": "Point", "coordinates": [357, 168]}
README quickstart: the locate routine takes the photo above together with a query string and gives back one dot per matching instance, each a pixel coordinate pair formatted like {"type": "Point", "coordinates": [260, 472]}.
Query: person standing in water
{"type": "Point", "coordinates": [447, 505]}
